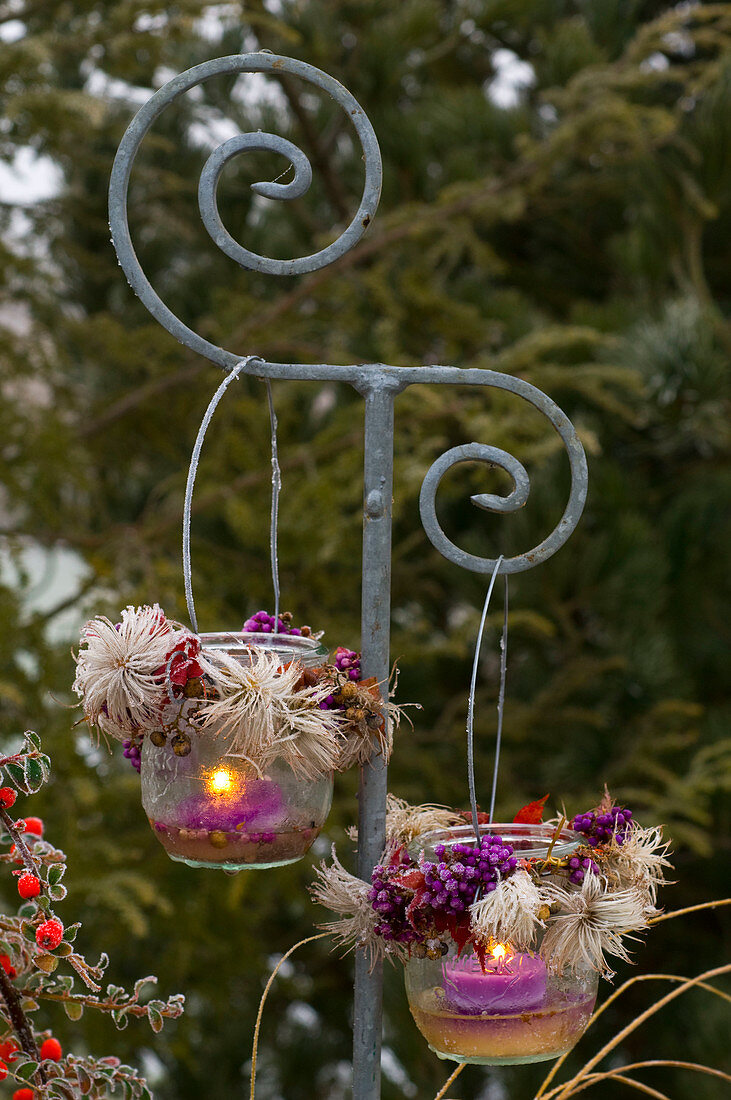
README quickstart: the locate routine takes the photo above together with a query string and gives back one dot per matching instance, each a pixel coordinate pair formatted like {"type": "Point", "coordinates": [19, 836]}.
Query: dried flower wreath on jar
{"type": "Point", "coordinates": [237, 734]}
{"type": "Point", "coordinates": [503, 938]}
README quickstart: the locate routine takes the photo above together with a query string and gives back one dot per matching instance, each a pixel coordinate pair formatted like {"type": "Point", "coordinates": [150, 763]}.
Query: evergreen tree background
{"type": "Point", "coordinates": [557, 204]}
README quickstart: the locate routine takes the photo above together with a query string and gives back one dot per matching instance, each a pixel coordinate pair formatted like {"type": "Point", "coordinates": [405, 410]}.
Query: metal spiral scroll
{"type": "Point", "coordinates": [516, 499]}
{"type": "Point", "coordinates": [143, 120]}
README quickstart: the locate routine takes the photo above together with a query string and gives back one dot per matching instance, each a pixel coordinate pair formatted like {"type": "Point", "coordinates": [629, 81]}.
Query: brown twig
{"type": "Point", "coordinates": [697, 1067]}
{"type": "Point", "coordinates": [21, 846]}
{"type": "Point", "coordinates": [639, 1085]}
{"type": "Point", "coordinates": [260, 1013]}
{"type": "Point", "coordinates": [552, 845]}
{"type": "Point", "coordinates": [690, 909]}
{"type": "Point", "coordinates": [19, 1020]}
{"type": "Point", "coordinates": [564, 1090]}
{"type": "Point", "coordinates": [452, 1077]}
{"type": "Point", "coordinates": [90, 1001]}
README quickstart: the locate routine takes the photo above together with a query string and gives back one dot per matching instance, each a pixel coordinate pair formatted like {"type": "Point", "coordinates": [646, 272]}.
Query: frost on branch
{"type": "Point", "coordinates": [39, 962]}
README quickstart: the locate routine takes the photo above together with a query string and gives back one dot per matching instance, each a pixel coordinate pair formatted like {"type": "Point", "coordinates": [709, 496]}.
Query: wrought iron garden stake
{"type": "Point", "coordinates": [379, 385]}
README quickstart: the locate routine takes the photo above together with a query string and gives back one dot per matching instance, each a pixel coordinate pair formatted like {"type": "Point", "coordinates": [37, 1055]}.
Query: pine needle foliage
{"type": "Point", "coordinates": [571, 227]}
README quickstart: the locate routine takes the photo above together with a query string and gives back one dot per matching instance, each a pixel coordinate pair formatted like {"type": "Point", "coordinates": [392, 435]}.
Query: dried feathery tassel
{"type": "Point", "coordinates": [370, 722]}
{"type": "Point", "coordinates": [404, 822]}
{"type": "Point", "coordinates": [263, 714]}
{"type": "Point", "coordinates": [509, 913]}
{"type": "Point", "coordinates": [363, 739]}
{"type": "Point", "coordinates": [252, 699]}
{"type": "Point", "coordinates": [118, 673]}
{"type": "Point", "coordinates": [309, 742]}
{"type": "Point", "coordinates": [345, 894]}
{"type": "Point", "coordinates": [591, 923]}
{"type": "Point", "coordinates": [641, 860]}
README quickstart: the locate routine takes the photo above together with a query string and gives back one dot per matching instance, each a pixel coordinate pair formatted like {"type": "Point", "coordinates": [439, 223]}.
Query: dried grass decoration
{"type": "Point", "coordinates": [237, 735]}
{"type": "Point", "coordinates": [503, 942]}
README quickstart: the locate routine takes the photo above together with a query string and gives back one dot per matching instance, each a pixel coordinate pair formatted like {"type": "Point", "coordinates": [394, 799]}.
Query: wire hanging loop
{"type": "Point", "coordinates": [276, 490]}
{"type": "Point", "coordinates": [471, 705]}
{"type": "Point", "coordinates": [207, 190]}
{"type": "Point", "coordinates": [190, 483]}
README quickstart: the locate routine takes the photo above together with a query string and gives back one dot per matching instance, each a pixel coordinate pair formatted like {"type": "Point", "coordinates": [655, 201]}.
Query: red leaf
{"type": "Point", "coordinates": [482, 818]}
{"type": "Point", "coordinates": [411, 879]}
{"type": "Point", "coordinates": [532, 814]}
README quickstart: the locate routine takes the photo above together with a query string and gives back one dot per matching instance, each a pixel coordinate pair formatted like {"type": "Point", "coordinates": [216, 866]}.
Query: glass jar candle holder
{"type": "Point", "coordinates": [211, 808]}
{"type": "Point", "coordinates": [516, 1010]}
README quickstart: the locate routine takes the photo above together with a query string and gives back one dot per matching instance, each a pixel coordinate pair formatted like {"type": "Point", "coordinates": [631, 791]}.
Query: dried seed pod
{"type": "Point", "coordinates": [419, 950]}
{"type": "Point", "coordinates": [349, 690]}
{"type": "Point", "coordinates": [194, 688]}
{"type": "Point", "coordinates": [158, 738]}
{"type": "Point", "coordinates": [181, 744]}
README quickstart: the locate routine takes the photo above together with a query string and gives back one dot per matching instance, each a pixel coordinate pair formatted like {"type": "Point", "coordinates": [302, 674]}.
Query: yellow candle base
{"type": "Point", "coordinates": [535, 1036]}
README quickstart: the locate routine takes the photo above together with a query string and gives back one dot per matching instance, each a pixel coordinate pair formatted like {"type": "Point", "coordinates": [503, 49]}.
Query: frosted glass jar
{"type": "Point", "coordinates": [211, 809]}
{"type": "Point", "coordinates": [515, 1012]}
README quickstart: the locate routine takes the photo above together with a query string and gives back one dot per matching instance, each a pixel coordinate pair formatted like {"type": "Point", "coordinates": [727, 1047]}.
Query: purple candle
{"type": "Point", "coordinates": [509, 983]}
{"type": "Point", "coordinates": [231, 803]}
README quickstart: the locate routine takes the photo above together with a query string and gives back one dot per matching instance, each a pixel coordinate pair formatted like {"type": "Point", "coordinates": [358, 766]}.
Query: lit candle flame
{"type": "Point", "coordinates": [221, 781]}
{"type": "Point", "coordinates": [501, 954]}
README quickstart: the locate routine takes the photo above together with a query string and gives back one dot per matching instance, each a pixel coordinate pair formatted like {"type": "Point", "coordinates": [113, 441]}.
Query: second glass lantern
{"type": "Point", "coordinates": [510, 1006]}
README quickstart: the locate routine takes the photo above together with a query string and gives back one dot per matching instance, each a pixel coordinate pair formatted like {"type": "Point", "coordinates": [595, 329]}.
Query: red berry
{"type": "Point", "coordinates": [8, 1050]}
{"type": "Point", "coordinates": [29, 886]}
{"type": "Point", "coordinates": [7, 966]}
{"type": "Point", "coordinates": [33, 825]}
{"type": "Point", "coordinates": [49, 934]}
{"type": "Point", "coordinates": [7, 797]}
{"type": "Point", "coordinates": [3, 1071]}
{"type": "Point", "coordinates": [23, 1094]}
{"type": "Point", "coordinates": [51, 1048]}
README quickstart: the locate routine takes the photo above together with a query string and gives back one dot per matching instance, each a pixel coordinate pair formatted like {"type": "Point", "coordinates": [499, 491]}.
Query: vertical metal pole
{"type": "Point", "coordinates": [376, 617]}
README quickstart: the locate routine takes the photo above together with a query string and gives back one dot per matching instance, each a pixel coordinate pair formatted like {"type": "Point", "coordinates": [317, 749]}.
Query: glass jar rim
{"type": "Point", "coordinates": [290, 647]}
{"type": "Point", "coordinates": [528, 841]}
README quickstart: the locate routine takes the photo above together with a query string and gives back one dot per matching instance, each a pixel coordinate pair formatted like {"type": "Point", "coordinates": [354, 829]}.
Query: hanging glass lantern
{"type": "Point", "coordinates": [211, 807]}
{"type": "Point", "coordinates": [504, 1006]}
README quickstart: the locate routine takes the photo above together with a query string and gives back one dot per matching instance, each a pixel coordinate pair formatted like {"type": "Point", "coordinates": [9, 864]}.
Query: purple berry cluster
{"type": "Point", "coordinates": [347, 660]}
{"type": "Point", "coordinates": [391, 902]}
{"type": "Point", "coordinates": [600, 828]}
{"type": "Point", "coordinates": [413, 900]}
{"type": "Point", "coordinates": [132, 751]}
{"type": "Point", "coordinates": [263, 623]}
{"type": "Point", "coordinates": [579, 867]}
{"type": "Point", "coordinates": [463, 869]}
